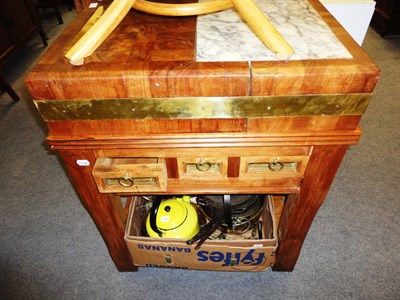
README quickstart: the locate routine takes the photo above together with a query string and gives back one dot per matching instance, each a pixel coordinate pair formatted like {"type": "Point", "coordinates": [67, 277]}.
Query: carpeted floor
{"type": "Point", "coordinates": [50, 248]}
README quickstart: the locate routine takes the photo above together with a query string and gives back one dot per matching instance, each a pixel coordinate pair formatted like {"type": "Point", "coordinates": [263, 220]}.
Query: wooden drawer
{"type": "Point", "coordinates": [202, 167]}
{"type": "Point", "coordinates": [272, 166]}
{"type": "Point", "coordinates": [115, 175]}
{"type": "Point", "coordinates": [238, 174]}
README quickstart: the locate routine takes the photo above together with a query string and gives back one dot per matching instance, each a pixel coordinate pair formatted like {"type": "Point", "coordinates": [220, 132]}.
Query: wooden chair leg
{"type": "Point", "coordinates": [57, 12]}
{"type": "Point", "coordinates": [44, 37]}
{"type": "Point", "coordinates": [69, 4]}
{"type": "Point", "coordinates": [52, 4]}
{"type": "Point", "coordinates": [6, 87]}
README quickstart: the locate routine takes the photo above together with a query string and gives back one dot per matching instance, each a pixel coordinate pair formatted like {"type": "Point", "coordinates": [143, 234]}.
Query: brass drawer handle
{"type": "Point", "coordinates": [275, 166]}
{"type": "Point", "coordinates": [203, 166]}
{"type": "Point", "coordinates": [125, 181]}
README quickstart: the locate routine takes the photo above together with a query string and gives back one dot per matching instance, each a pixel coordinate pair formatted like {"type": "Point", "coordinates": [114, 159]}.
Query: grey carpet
{"type": "Point", "coordinates": [50, 248]}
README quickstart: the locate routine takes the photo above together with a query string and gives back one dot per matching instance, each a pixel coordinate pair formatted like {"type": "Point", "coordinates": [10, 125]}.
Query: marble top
{"type": "Point", "coordinates": [224, 36]}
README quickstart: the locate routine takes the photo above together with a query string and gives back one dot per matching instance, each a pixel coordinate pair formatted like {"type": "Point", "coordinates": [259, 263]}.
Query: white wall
{"type": "Point", "coordinates": [353, 15]}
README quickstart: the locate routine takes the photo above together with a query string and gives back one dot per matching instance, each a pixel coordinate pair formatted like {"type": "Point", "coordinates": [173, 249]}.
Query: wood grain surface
{"type": "Point", "coordinates": [98, 31]}
{"type": "Point", "coordinates": [154, 56]}
{"type": "Point", "coordinates": [299, 210]}
{"type": "Point", "coordinates": [114, 129]}
{"type": "Point", "coordinates": [80, 5]}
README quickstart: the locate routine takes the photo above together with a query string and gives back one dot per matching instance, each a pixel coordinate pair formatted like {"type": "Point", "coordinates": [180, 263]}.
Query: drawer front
{"type": "Point", "coordinates": [120, 175]}
{"type": "Point", "coordinates": [272, 166]}
{"type": "Point", "coordinates": [202, 167]}
{"type": "Point", "coordinates": [246, 173]}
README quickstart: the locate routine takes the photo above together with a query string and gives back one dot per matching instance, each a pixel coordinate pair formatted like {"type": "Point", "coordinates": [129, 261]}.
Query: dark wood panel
{"type": "Point", "coordinates": [386, 18]}
{"type": "Point", "coordinates": [19, 22]}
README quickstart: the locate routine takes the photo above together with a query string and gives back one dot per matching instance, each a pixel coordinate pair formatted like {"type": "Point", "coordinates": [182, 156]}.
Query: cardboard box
{"type": "Point", "coordinates": [218, 255]}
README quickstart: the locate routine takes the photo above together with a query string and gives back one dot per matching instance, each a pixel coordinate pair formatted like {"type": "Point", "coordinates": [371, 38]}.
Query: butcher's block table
{"type": "Point", "coordinates": [189, 116]}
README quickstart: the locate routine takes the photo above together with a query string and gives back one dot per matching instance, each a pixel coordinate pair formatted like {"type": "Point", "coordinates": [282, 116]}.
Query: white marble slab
{"type": "Point", "coordinates": [224, 36]}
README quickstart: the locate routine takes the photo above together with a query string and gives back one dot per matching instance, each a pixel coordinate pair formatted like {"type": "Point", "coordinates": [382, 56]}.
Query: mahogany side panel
{"type": "Point", "coordinates": [104, 212]}
{"type": "Point", "coordinates": [233, 166]}
{"type": "Point", "coordinates": [206, 79]}
{"type": "Point", "coordinates": [251, 125]}
{"type": "Point", "coordinates": [304, 124]}
{"type": "Point", "coordinates": [299, 212]}
{"type": "Point", "coordinates": [172, 167]}
{"type": "Point", "coordinates": [313, 77]}
{"type": "Point", "coordinates": [140, 127]}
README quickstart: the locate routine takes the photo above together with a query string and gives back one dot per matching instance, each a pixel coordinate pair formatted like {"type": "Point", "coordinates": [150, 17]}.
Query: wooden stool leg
{"type": "Point", "coordinates": [6, 87]}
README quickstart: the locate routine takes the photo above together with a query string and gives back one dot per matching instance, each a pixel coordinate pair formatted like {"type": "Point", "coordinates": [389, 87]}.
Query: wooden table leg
{"type": "Point", "coordinates": [6, 87]}
{"type": "Point", "coordinates": [299, 210]}
{"type": "Point", "coordinates": [104, 212]}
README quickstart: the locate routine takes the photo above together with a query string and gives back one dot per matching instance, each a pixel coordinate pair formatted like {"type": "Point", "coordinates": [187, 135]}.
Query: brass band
{"type": "Point", "coordinates": [203, 107]}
